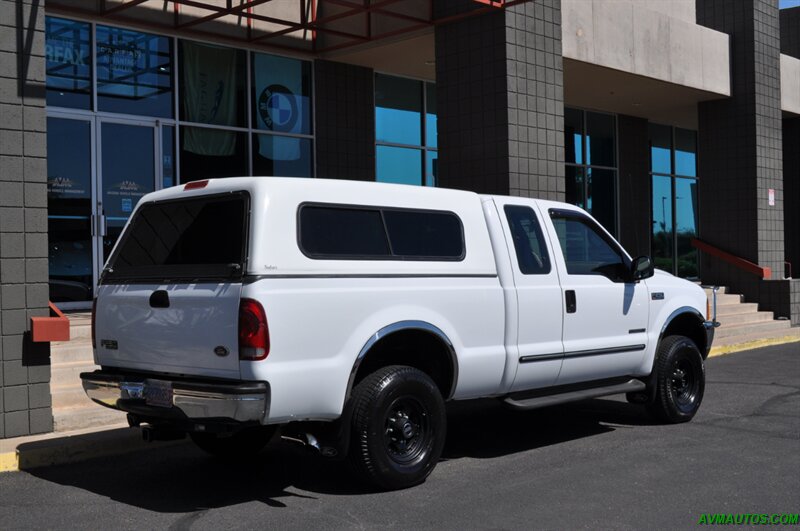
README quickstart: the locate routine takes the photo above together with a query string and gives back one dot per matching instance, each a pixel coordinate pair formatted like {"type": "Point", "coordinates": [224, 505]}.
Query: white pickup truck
{"type": "Point", "coordinates": [346, 314]}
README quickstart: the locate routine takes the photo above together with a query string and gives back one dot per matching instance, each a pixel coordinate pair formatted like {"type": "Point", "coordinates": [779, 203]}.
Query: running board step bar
{"type": "Point", "coordinates": [631, 386]}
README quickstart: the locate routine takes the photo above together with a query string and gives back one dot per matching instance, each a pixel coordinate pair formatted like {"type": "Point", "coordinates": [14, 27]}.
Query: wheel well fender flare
{"type": "Point", "coordinates": [404, 326]}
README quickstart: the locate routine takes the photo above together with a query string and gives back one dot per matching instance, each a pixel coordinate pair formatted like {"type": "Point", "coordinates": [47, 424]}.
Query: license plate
{"type": "Point", "coordinates": [158, 393]}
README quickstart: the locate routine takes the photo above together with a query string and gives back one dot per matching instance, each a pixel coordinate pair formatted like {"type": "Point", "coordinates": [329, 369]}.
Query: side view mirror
{"type": "Point", "coordinates": [641, 268]}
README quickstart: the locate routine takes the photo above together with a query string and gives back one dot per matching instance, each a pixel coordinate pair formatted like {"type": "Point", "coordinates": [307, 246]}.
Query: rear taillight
{"type": "Point", "coordinates": [253, 331]}
{"type": "Point", "coordinates": [94, 318]}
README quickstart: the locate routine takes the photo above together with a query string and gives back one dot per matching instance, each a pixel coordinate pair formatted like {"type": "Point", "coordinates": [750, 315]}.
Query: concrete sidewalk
{"type": "Point", "coordinates": [25, 453]}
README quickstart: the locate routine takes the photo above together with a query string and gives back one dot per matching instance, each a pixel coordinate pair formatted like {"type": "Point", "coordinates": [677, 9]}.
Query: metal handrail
{"type": "Point", "coordinates": [736, 261]}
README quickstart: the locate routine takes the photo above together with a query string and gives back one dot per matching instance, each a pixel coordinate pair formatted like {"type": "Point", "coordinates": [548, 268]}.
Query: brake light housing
{"type": "Point", "coordinates": [196, 185]}
{"type": "Point", "coordinates": [253, 331]}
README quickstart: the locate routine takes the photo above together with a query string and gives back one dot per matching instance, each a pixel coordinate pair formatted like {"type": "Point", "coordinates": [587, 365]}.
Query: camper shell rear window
{"type": "Point", "coordinates": [197, 238]}
{"type": "Point", "coordinates": [356, 232]}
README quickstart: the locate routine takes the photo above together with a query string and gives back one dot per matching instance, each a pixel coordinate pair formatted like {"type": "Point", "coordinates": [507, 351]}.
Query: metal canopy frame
{"type": "Point", "coordinates": [307, 23]}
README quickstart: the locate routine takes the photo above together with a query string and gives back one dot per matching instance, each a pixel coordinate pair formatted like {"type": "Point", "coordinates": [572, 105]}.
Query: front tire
{"type": "Point", "coordinates": [399, 426]}
{"type": "Point", "coordinates": [240, 445]}
{"type": "Point", "coordinates": [680, 380]}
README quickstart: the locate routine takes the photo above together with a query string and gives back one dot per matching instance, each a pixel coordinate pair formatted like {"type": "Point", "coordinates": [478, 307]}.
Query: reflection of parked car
{"type": "Point", "coordinates": [70, 266]}
{"type": "Point", "coordinates": [348, 313]}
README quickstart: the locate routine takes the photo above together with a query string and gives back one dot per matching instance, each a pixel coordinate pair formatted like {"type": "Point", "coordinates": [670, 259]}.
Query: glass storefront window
{"type": "Point", "coordinates": [601, 149]}
{"type": "Point", "coordinates": [431, 168]}
{"type": "Point", "coordinates": [208, 153]}
{"type": "Point", "coordinates": [590, 144]}
{"type": "Point", "coordinates": [286, 156]}
{"type": "Point", "coordinates": [281, 94]}
{"type": "Point", "coordinates": [134, 72]}
{"type": "Point", "coordinates": [601, 196]}
{"type": "Point", "coordinates": [686, 227]}
{"type": "Point", "coordinates": [685, 152]}
{"type": "Point", "coordinates": [398, 110]}
{"type": "Point", "coordinates": [212, 84]}
{"type": "Point", "coordinates": [575, 186]}
{"type": "Point", "coordinates": [573, 136]}
{"type": "Point", "coordinates": [431, 132]}
{"type": "Point", "coordinates": [168, 156]}
{"type": "Point", "coordinates": [68, 56]}
{"type": "Point", "coordinates": [406, 149]}
{"type": "Point", "coordinates": [399, 165]}
{"type": "Point", "coordinates": [660, 149]}
{"type": "Point", "coordinates": [675, 203]}
{"type": "Point", "coordinates": [662, 222]}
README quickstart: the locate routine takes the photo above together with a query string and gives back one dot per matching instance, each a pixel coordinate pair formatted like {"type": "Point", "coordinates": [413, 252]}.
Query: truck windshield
{"type": "Point", "coordinates": [186, 239]}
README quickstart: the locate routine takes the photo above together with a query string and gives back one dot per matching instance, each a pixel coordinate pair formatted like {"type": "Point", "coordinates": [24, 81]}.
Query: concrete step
{"type": "Point", "coordinates": [737, 309]}
{"type": "Point", "coordinates": [64, 374]}
{"type": "Point", "coordinates": [82, 331]}
{"type": "Point", "coordinates": [69, 396]}
{"type": "Point", "coordinates": [746, 338]}
{"type": "Point", "coordinates": [745, 318]}
{"type": "Point", "coordinates": [727, 299]}
{"type": "Point", "coordinates": [91, 416]}
{"type": "Point", "coordinates": [71, 351]}
{"type": "Point", "coordinates": [755, 328]}
{"type": "Point", "coordinates": [720, 291]}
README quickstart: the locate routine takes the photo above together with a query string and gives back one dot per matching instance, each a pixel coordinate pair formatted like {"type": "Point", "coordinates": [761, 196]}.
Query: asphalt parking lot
{"type": "Point", "coordinates": [598, 464]}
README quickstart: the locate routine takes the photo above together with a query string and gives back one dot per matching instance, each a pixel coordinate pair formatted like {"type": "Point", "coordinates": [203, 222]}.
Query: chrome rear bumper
{"type": "Point", "coordinates": [179, 399]}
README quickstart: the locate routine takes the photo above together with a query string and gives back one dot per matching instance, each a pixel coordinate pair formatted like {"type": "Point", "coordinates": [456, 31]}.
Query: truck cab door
{"type": "Point", "coordinates": [605, 313]}
{"type": "Point", "coordinates": [539, 316]}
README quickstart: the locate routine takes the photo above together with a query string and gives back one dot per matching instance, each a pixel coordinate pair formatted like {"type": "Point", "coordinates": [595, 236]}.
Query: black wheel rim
{"type": "Point", "coordinates": [684, 383]}
{"type": "Point", "coordinates": [407, 431]}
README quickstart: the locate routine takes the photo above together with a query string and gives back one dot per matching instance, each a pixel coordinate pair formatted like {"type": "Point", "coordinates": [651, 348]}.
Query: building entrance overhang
{"type": "Point", "coordinates": [308, 27]}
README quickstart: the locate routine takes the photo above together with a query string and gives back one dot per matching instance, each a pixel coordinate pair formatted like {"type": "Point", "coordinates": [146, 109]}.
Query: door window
{"type": "Point", "coordinates": [586, 249]}
{"type": "Point", "coordinates": [69, 202]}
{"type": "Point", "coordinates": [532, 256]}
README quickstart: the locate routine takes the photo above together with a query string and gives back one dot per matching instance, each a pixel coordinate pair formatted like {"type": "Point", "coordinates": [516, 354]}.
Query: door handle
{"type": "Point", "coordinates": [572, 304]}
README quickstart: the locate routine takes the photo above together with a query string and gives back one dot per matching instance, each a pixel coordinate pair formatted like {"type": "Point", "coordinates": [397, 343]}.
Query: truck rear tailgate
{"type": "Point", "coordinates": [169, 296]}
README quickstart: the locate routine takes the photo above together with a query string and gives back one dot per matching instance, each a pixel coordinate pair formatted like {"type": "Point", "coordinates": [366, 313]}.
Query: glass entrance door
{"type": "Point", "coordinates": [127, 172]}
{"type": "Point", "coordinates": [70, 204]}
{"type": "Point", "coordinates": [97, 171]}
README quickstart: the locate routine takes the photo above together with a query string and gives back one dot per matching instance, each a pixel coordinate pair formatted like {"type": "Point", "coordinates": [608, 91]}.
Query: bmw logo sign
{"type": "Point", "coordinates": [277, 108]}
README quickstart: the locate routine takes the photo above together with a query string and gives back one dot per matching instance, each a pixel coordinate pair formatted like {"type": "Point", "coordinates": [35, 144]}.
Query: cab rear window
{"type": "Point", "coordinates": [201, 237]}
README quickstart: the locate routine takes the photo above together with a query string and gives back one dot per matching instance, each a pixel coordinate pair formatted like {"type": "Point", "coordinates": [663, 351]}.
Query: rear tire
{"type": "Point", "coordinates": [399, 426]}
{"type": "Point", "coordinates": [680, 380]}
{"type": "Point", "coordinates": [242, 444]}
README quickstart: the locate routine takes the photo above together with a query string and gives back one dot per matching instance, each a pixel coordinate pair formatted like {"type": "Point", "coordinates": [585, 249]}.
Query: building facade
{"type": "Point", "coordinates": [676, 123]}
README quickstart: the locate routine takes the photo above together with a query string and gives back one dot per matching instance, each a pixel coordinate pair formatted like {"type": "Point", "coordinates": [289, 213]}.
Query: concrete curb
{"type": "Point", "coordinates": [24, 453]}
{"type": "Point", "coordinates": [750, 345]}
{"type": "Point", "coordinates": [35, 451]}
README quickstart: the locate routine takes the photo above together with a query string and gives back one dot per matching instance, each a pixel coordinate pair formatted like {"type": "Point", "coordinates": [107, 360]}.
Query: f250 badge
{"type": "Point", "coordinates": [221, 351]}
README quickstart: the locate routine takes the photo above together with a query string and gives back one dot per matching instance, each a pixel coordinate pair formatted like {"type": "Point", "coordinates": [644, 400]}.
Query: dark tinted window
{"type": "Point", "coordinates": [586, 249]}
{"type": "Point", "coordinates": [342, 232]}
{"type": "Point", "coordinates": [185, 238]}
{"type": "Point", "coordinates": [532, 255]}
{"type": "Point", "coordinates": [424, 234]}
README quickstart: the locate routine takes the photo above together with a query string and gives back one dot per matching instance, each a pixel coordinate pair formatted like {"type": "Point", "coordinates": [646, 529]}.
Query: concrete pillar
{"type": "Point", "coordinates": [500, 99]}
{"type": "Point", "coordinates": [25, 404]}
{"type": "Point", "coordinates": [345, 121]}
{"type": "Point", "coordinates": [634, 185]}
{"type": "Point", "coordinates": [740, 152]}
